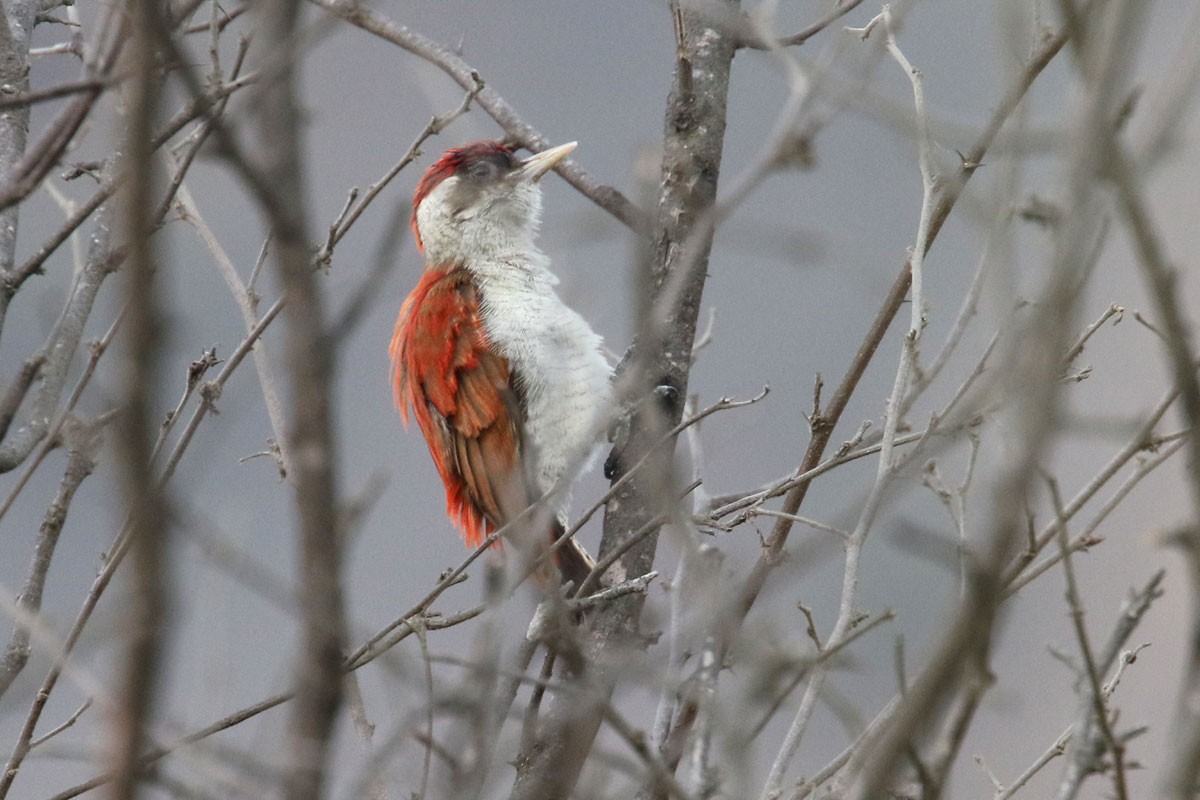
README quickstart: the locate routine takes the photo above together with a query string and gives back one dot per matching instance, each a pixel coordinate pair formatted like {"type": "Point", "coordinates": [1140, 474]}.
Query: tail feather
{"type": "Point", "coordinates": [574, 561]}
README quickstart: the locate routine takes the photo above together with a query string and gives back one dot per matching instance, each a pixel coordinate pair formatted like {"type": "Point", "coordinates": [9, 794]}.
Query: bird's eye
{"type": "Point", "coordinates": [482, 170]}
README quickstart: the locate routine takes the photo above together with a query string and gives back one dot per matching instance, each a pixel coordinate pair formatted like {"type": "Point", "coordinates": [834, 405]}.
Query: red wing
{"type": "Point", "coordinates": [458, 388]}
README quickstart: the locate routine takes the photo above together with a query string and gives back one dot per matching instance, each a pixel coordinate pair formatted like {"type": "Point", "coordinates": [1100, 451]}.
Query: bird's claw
{"type": "Point", "coordinates": [667, 394]}
{"type": "Point", "coordinates": [667, 397]}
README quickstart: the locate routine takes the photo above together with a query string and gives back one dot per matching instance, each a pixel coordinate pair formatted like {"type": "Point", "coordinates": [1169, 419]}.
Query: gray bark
{"type": "Point", "coordinates": [693, 139]}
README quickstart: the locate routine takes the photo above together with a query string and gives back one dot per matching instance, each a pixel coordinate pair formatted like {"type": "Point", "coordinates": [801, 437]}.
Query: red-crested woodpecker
{"type": "Point", "coordinates": [507, 383]}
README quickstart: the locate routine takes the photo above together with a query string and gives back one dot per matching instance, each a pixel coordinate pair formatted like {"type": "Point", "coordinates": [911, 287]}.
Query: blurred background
{"type": "Point", "coordinates": [796, 275]}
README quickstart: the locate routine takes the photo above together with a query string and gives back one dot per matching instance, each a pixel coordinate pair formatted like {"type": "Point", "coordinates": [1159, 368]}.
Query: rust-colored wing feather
{"type": "Point", "coordinates": [458, 389]}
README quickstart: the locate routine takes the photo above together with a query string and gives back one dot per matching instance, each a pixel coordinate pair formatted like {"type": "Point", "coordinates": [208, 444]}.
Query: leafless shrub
{"type": "Point", "coordinates": [183, 140]}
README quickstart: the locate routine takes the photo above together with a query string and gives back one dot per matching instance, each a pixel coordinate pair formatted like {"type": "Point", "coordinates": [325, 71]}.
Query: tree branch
{"type": "Point", "coordinates": [693, 139]}
{"type": "Point", "coordinates": [149, 518]}
{"type": "Point", "coordinates": [311, 437]}
{"type": "Point", "coordinates": [489, 100]}
{"type": "Point", "coordinates": [81, 442]}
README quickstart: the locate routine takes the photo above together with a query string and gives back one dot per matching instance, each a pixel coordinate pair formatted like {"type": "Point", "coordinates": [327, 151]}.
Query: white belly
{"type": "Point", "coordinates": [565, 378]}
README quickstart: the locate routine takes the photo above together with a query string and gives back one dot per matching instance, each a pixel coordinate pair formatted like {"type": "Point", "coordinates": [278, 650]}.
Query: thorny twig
{"type": "Point", "coordinates": [352, 210]}
{"type": "Point", "coordinates": [752, 38]}
{"type": "Point", "coordinates": [1085, 756]}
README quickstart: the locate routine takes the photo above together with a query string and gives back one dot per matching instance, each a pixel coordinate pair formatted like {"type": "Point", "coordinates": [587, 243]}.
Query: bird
{"type": "Point", "coordinates": [509, 385]}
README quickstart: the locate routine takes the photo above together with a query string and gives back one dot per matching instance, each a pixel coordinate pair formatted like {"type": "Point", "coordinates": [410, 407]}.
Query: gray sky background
{"type": "Point", "coordinates": [796, 276]}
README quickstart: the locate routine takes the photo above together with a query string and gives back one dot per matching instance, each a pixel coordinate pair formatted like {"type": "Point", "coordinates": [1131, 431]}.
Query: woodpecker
{"type": "Point", "coordinates": [508, 384]}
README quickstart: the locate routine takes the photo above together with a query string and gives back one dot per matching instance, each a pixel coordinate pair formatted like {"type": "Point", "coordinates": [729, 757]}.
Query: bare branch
{"type": "Point", "coordinates": [352, 211]}
{"type": "Point", "coordinates": [311, 439]}
{"type": "Point", "coordinates": [97, 350]}
{"type": "Point", "coordinates": [82, 440]}
{"type": "Point", "coordinates": [694, 134]}
{"type": "Point", "coordinates": [66, 89]}
{"type": "Point", "coordinates": [149, 525]}
{"type": "Point", "coordinates": [1132, 611]}
{"type": "Point", "coordinates": [1073, 352]}
{"type": "Point", "coordinates": [489, 99]}
{"type": "Point", "coordinates": [115, 557]}
{"type": "Point", "coordinates": [64, 725]}
{"type": "Point", "coordinates": [16, 29]}
{"type": "Point", "coordinates": [247, 302]}
{"type": "Point", "coordinates": [59, 350]}
{"type": "Point", "coordinates": [1086, 754]}
{"type": "Point", "coordinates": [110, 183]}
{"type": "Point", "coordinates": [431, 621]}
{"type": "Point", "coordinates": [823, 428]}
{"type": "Point", "coordinates": [16, 390]}
{"type": "Point", "coordinates": [750, 38]}
{"type": "Point", "coordinates": [1037, 359]}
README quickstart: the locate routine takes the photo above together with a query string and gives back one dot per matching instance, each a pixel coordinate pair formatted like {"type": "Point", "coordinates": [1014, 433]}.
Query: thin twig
{"type": "Point", "coordinates": [495, 105]}
{"type": "Point", "coordinates": [352, 211]}
{"type": "Point", "coordinates": [151, 757]}
{"type": "Point", "coordinates": [724, 404]}
{"type": "Point", "coordinates": [67, 723]}
{"type": "Point", "coordinates": [1113, 310]}
{"type": "Point", "coordinates": [246, 301]}
{"type": "Point", "coordinates": [1085, 759]}
{"type": "Point", "coordinates": [65, 89]}
{"type": "Point", "coordinates": [116, 555]}
{"type": "Point", "coordinates": [1140, 440]}
{"type": "Point", "coordinates": [82, 444]}
{"type": "Point", "coordinates": [752, 40]}
{"type": "Point", "coordinates": [197, 108]}
{"type": "Point", "coordinates": [885, 470]}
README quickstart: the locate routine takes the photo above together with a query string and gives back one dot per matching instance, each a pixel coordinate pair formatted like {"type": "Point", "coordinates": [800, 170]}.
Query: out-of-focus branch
{"type": "Point", "coordinates": [753, 39]}
{"type": "Point", "coordinates": [58, 353]}
{"type": "Point", "coordinates": [97, 350]}
{"type": "Point", "coordinates": [16, 29]}
{"type": "Point", "coordinates": [887, 467]}
{"type": "Point", "coordinates": [1132, 611]}
{"type": "Point", "coordinates": [429, 621]}
{"type": "Point", "coordinates": [1161, 278]}
{"type": "Point", "coordinates": [82, 439]}
{"type": "Point", "coordinates": [116, 556]}
{"type": "Point", "coordinates": [149, 516]}
{"type": "Point", "coordinates": [1036, 358]}
{"type": "Point", "coordinates": [1168, 101]}
{"type": "Point", "coordinates": [693, 139]}
{"type": "Point", "coordinates": [280, 155]}
{"type": "Point", "coordinates": [14, 393]}
{"type": "Point", "coordinates": [1184, 761]}
{"type": "Point", "coordinates": [24, 176]}
{"type": "Point", "coordinates": [247, 303]}
{"type": "Point", "coordinates": [1087, 750]}
{"type": "Point", "coordinates": [59, 90]}
{"type": "Point", "coordinates": [1017, 574]}
{"type": "Point", "coordinates": [109, 184]}
{"type": "Point", "coordinates": [354, 210]}
{"type": "Point", "coordinates": [60, 348]}
{"type": "Point", "coordinates": [607, 197]}
{"type": "Point", "coordinates": [825, 422]}
{"type": "Point", "coordinates": [826, 419]}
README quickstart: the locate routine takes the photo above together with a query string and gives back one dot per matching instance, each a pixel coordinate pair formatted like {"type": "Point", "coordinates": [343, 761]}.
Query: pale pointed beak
{"type": "Point", "coordinates": [534, 167]}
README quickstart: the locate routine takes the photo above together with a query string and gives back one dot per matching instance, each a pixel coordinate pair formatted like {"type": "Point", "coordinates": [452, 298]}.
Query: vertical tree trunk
{"type": "Point", "coordinates": [693, 138]}
{"type": "Point", "coordinates": [310, 367]}
{"type": "Point", "coordinates": [149, 515]}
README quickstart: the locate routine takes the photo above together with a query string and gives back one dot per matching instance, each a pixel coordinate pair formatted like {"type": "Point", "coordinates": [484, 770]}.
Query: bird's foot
{"type": "Point", "coordinates": [667, 398]}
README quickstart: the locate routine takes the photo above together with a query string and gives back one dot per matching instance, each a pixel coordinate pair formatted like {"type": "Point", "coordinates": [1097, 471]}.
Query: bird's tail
{"type": "Point", "coordinates": [574, 561]}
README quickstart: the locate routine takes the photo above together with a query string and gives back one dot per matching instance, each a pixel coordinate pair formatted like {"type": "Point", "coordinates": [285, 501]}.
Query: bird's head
{"type": "Point", "coordinates": [480, 198]}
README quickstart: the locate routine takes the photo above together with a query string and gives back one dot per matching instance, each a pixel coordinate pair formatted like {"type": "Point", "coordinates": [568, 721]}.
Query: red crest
{"type": "Point", "coordinates": [450, 162]}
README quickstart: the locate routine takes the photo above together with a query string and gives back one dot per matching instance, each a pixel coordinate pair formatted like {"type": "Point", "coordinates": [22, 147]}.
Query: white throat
{"type": "Point", "coordinates": [499, 227]}
{"type": "Point", "coordinates": [553, 352]}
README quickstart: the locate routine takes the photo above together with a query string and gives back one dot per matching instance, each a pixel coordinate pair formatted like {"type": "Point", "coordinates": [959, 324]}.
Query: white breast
{"type": "Point", "coordinates": [556, 356]}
